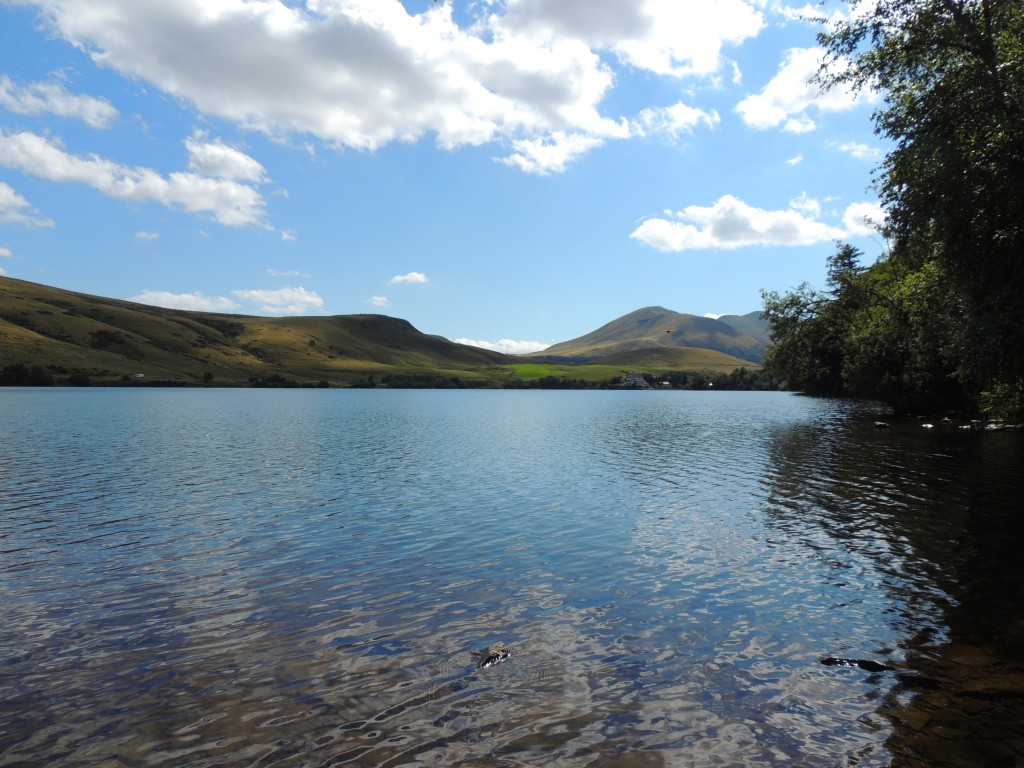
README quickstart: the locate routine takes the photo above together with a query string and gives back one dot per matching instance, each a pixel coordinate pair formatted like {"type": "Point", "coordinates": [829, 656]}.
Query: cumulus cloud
{"type": "Point", "coordinates": [784, 102]}
{"type": "Point", "coordinates": [15, 209]}
{"type": "Point", "coordinates": [526, 74]}
{"type": "Point", "coordinates": [507, 346]}
{"type": "Point", "coordinates": [143, 235]}
{"type": "Point", "coordinates": [378, 301]}
{"type": "Point", "coordinates": [283, 301]}
{"type": "Point", "coordinates": [217, 160]}
{"type": "Point", "coordinates": [6, 253]}
{"type": "Point", "coordinates": [730, 223]}
{"type": "Point", "coordinates": [195, 302]}
{"type": "Point", "coordinates": [53, 98]}
{"type": "Point", "coordinates": [674, 120]}
{"type": "Point", "coordinates": [552, 154]}
{"type": "Point", "coordinates": [229, 202]}
{"type": "Point", "coordinates": [666, 37]}
{"type": "Point", "coordinates": [3, 272]}
{"type": "Point", "coordinates": [411, 277]}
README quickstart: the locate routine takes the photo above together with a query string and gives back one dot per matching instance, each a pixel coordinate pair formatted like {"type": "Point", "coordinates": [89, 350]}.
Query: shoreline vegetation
{"type": "Point", "coordinates": [934, 324]}
{"type": "Point", "coordinates": [740, 379]}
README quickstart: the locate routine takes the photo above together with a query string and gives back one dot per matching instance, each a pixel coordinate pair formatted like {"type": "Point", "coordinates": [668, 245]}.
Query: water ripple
{"type": "Point", "coordinates": [300, 578]}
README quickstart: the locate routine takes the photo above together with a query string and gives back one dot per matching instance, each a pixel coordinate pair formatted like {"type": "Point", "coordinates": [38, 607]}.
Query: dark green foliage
{"type": "Point", "coordinates": [273, 381]}
{"type": "Point", "coordinates": [940, 319]}
{"type": "Point", "coordinates": [21, 375]}
{"type": "Point", "coordinates": [103, 339]}
{"type": "Point", "coordinates": [890, 332]}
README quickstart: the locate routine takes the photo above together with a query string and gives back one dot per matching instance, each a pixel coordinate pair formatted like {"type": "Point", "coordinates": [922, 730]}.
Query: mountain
{"type": "Point", "coordinates": [654, 327]}
{"type": "Point", "coordinates": [73, 333]}
{"type": "Point", "coordinates": [753, 323]}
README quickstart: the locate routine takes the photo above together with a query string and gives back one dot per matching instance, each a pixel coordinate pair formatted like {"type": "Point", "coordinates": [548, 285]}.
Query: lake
{"type": "Point", "coordinates": [300, 578]}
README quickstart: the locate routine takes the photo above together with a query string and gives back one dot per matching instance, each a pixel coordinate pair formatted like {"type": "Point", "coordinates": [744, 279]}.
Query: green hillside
{"type": "Point", "coordinates": [68, 336]}
{"type": "Point", "coordinates": [72, 333]}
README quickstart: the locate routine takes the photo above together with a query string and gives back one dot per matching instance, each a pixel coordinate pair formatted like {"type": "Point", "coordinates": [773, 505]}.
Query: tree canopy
{"type": "Point", "coordinates": [942, 315]}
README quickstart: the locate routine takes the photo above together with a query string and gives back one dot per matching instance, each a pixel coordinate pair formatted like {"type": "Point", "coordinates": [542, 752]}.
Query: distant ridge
{"type": "Point", "coordinates": [740, 336]}
{"type": "Point", "coordinates": [66, 332]}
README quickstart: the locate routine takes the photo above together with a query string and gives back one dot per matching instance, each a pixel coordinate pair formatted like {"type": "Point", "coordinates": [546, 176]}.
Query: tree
{"type": "Point", "coordinates": [809, 328]}
{"type": "Point", "coordinates": [887, 332]}
{"type": "Point", "coordinates": [952, 76]}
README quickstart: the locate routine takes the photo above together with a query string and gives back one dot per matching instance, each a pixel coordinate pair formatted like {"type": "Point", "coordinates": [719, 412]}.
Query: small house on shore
{"type": "Point", "coordinates": [635, 380]}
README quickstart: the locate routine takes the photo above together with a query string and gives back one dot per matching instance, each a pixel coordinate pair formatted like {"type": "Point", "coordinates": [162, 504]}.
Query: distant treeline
{"type": "Point", "coordinates": [19, 375]}
{"type": "Point", "coordinates": [739, 379]}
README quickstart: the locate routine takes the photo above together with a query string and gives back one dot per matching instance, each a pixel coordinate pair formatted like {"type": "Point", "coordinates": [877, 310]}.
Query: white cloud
{"type": "Point", "coordinates": [15, 209]}
{"type": "Point", "coordinates": [228, 201]}
{"type": "Point", "coordinates": [795, 160]}
{"type": "Point", "coordinates": [730, 223]}
{"type": "Point", "coordinates": [679, 118]}
{"type": "Point", "coordinates": [411, 277]}
{"type": "Point", "coordinates": [667, 37]}
{"type": "Point", "coordinates": [863, 218]}
{"type": "Point", "coordinates": [3, 272]}
{"type": "Point", "coordinates": [378, 301]}
{"type": "Point", "coordinates": [288, 235]}
{"type": "Point", "coordinates": [806, 204]}
{"type": "Point", "coordinates": [147, 235]}
{"type": "Point", "coordinates": [217, 160]}
{"type": "Point", "coordinates": [858, 150]}
{"type": "Point", "coordinates": [507, 346]}
{"type": "Point", "coordinates": [784, 101]}
{"type": "Point", "coordinates": [195, 302]}
{"type": "Point", "coordinates": [283, 301]}
{"type": "Point", "coordinates": [527, 74]}
{"type": "Point", "coordinates": [713, 316]}
{"type": "Point", "coordinates": [6, 253]}
{"type": "Point", "coordinates": [53, 98]}
{"type": "Point", "coordinates": [552, 154]}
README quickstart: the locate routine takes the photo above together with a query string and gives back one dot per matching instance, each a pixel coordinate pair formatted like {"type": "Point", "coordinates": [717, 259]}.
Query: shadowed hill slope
{"type": "Point", "coordinates": [67, 332]}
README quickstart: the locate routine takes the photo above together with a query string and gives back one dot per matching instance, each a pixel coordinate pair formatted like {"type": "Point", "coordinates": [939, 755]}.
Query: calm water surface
{"type": "Point", "coordinates": [299, 578]}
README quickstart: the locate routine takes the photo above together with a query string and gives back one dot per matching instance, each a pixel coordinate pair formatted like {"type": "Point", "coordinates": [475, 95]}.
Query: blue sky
{"type": "Point", "coordinates": [510, 173]}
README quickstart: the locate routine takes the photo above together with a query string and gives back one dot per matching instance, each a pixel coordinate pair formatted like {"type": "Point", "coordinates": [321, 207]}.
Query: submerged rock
{"type": "Point", "coordinates": [492, 654]}
{"type": "Point", "coordinates": [868, 664]}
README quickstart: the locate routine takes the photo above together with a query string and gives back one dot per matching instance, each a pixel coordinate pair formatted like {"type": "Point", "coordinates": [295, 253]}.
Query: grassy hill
{"type": "Point", "coordinates": [656, 327]}
{"type": "Point", "coordinates": [72, 333]}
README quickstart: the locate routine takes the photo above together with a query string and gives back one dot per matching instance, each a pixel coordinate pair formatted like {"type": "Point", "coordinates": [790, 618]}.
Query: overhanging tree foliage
{"type": "Point", "coordinates": [951, 73]}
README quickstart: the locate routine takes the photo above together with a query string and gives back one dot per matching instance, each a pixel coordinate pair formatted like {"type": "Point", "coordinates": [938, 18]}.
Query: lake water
{"type": "Point", "coordinates": [300, 577]}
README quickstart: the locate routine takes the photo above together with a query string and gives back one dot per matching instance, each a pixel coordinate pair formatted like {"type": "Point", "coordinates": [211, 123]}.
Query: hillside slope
{"type": "Point", "coordinates": [658, 327]}
{"type": "Point", "coordinates": [676, 359]}
{"type": "Point", "coordinates": [67, 332]}
{"type": "Point", "coordinates": [752, 323]}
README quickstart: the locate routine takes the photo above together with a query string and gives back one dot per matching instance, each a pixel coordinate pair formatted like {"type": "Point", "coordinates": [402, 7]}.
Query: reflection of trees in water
{"type": "Point", "coordinates": [935, 512]}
